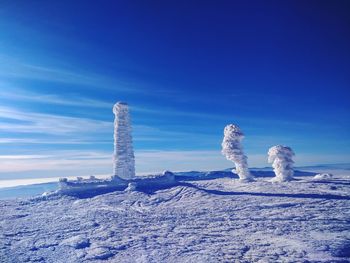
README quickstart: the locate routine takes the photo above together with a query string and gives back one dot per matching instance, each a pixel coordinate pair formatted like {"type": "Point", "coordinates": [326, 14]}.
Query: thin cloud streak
{"type": "Point", "coordinates": [54, 141]}
{"type": "Point", "coordinates": [75, 130]}
{"type": "Point", "coordinates": [21, 95]}
{"type": "Point", "coordinates": [85, 102]}
{"type": "Point", "coordinates": [22, 157]}
{"type": "Point", "coordinates": [49, 123]}
{"type": "Point", "coordinates": [93, 162]}
{"type": "Point", "coordinates": [15, 69]}
{"type": "Point", "coordinates": [60, 130]}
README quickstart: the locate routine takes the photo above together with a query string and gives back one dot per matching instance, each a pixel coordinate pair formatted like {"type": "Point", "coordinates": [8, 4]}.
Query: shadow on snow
{"type": "Point", "coordinates": [301, 195]}
{"type": "Point", "coordinates": [197, 176]}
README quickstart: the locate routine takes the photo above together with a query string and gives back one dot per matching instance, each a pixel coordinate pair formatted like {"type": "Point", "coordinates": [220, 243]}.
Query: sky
{"type": "Point", "coordinates": [278, 69]}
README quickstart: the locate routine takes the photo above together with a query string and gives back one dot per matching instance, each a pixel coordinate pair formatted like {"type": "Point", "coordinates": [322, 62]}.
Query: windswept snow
{"type": "Point", "coordinates": [208, 220]}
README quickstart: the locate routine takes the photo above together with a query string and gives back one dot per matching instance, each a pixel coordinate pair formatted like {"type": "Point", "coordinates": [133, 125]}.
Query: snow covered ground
{"type": "Point", "coordinates": [204, 218]}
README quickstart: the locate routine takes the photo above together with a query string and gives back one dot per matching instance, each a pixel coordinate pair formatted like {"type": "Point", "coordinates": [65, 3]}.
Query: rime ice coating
{"type": "Point", "coordinates": [233, 151]}
{"type": "Point", "coordinates": [123, 157]}
{"type": "Point", "coordinates": [281, 158]}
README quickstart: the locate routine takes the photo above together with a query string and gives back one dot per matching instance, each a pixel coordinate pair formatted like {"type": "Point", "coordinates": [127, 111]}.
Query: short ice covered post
{"type": "Point", "coordinates": [123, 157]}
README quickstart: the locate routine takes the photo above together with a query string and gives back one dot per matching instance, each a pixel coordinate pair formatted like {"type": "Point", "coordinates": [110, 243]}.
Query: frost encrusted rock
{"type": "Point", "coordinates": [233, 151]}
{"type": "Point", "coordinates": [123, 158]}
{"type": "Point", "coordinates": [281, 158]}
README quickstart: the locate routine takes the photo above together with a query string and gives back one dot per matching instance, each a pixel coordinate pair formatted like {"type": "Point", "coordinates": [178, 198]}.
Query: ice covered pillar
{"type": "Point", "coordinates": [233, 150]}
{"type": "Point", "coordinates": [281, 158]}
{"type": "Point", "coordinates": [123, 157]}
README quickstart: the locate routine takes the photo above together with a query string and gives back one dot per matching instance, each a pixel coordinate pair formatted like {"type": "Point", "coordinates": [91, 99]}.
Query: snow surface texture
{"type": "Point", "coordinates": [281, 158]}
{"type": "Point", "coordinates": [233, 151]}
{"type": "Point", "coordinates": [208, 220]}
{"type": "Point", "coordinates": [124, 160]}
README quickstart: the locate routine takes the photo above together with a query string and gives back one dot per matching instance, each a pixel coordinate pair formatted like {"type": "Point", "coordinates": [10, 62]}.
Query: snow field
{"type": "Point", "coordinates": [216, 220]}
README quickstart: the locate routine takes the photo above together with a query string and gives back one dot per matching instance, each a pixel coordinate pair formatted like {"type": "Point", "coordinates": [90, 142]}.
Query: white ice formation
{"type": "Point", "coordinates": [281, 158]}
{"type": "Point", "coordinates": [131, 187]}
{"type": "Point", "coordinates": [233, 151]}
{"type": "Point", "coordinates": [123, 158]}
{"type": "Point", "coordinates": [323, 176]}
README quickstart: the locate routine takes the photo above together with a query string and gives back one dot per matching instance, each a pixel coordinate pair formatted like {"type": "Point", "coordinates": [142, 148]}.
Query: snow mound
{"type": "Point", "coordinates": [323, 176]}
{"type": "Point", "coordinates": [99, 253]}
{"type": "Point", "coordinates": [77, 242]}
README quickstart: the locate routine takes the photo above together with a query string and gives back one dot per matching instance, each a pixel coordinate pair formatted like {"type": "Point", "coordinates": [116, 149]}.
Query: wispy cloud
{"type": "Point", "coordinates": [18, 94]}
{"type": "Point", "coordinates": [55, 163]}
{"type": "Point", "coordinates": [11, 68]}
{"type": "Point", "coordinates": [95, 162]}
{"type": "Point", "coordinates": [29, 122]}
{"type": "Point", "coordinates": [22, 157]}
{"type": "Point", "coordinates": [58, 141]}
{"type": "Point", "coordinates": [39, 128]}
{"type": "Point", "coordinates": [76, 130]}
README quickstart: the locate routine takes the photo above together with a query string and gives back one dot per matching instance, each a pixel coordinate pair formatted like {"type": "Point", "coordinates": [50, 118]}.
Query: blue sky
{"type": "Point", "coordinates": [278, 69]}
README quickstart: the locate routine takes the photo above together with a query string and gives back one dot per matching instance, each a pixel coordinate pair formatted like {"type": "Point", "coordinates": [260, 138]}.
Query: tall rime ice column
{"type": "Point", "coordinates": [123, 158]}
{"type": "Point", "coordinates": [233, 151]}
{"type": "Point", "coordinates": [281, 158]}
